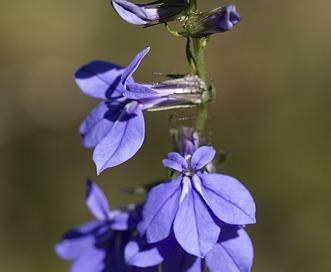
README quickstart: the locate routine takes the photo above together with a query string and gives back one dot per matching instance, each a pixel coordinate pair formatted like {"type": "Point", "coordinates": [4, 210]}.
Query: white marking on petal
{"type": "Point", "coordinates": [186, 187]}
{"type": "Point", "coordinates": [197, 186]}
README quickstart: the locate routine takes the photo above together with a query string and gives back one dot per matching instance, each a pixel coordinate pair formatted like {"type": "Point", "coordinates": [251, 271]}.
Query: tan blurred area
{"type": "Point", "coordinates": [272, 110]}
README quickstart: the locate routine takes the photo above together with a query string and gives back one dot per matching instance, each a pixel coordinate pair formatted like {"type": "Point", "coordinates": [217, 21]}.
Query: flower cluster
{"type": "Point", "coordinates": [194, 220]}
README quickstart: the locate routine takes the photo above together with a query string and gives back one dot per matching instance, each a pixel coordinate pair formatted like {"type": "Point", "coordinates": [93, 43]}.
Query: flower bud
{"type": "Point", "coordinates": [217, 20]}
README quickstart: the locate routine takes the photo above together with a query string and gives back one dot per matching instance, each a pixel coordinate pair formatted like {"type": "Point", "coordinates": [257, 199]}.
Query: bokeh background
{"type": "Point", "coordinates": [272, 110]}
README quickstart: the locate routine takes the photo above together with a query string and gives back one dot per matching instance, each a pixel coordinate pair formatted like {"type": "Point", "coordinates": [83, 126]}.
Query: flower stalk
{"type": "Point", "coordinates": [199, 46]}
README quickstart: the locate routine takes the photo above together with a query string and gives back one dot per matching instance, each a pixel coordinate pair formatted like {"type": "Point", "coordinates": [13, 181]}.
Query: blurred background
{"type": "Point", "coordinates": [272, 110]}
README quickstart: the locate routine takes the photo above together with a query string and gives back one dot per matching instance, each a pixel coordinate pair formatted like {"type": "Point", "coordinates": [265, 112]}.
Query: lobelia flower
{"type": "Point", "coordinates": [115, 127]}
{"type": "Point", "coordinates": [152, 13]}
{"type": "Point", "coordinates": [98, 246]}
{"type": "Point", "coordinates": [195, 204]}
{"type": "Point", "coordinates": [232, 252]}
{"type": "Point", "coordinates": [218, 20]}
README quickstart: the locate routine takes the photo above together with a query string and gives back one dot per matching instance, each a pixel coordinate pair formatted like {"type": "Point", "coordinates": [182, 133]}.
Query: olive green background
{"type": "Point", "coordinates": [272, 110]}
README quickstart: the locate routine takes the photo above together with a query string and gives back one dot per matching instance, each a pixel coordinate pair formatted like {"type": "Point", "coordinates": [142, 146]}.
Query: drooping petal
{"type": "Point", "coordinates": [91, 260]}
{"type": "Point", "coordinates": [75, 241]}
{"type": "Point", "coordinates": [123, 140]}
{"type": "Point", "coordinates": [229, 200]}
{"type": "Point", "coordinates": [180, 261]}
{"type": "Point", "coordinates": [202, 156]}
{"type": "Point", "coordinates": [132, 67]}
{"type": "Point", "coordinates": [100, 79]}
{"type": "Point", "coordinates": [137, 252]}
{"type": "Point", "coordinates": [95, 126]}
{"type": "Point", "coordinates": [194, 225]}
{"type": "Point", "coordinates": [159, 210]}
{"type": "Point", "coordinates": [99, 122]}
{"type": "Point", "coordinates": [175, 161]}
{"type": "Point", "coordinates": [231, 253]}
{"type": "Point", "coordinates": [96, 201]}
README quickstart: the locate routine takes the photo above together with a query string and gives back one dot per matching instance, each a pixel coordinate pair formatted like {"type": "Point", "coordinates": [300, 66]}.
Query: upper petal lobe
{"type": "Point", "coordinates": [100, 79]}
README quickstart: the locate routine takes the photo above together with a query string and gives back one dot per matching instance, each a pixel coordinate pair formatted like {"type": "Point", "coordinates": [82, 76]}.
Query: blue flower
{"type": "Point", "coordinates": [218, 20]}
{"type": "Point", "coordinates": [232, 252]}
{"type": "Point", "coordinates": [195, 204]}
{"type": "Point", "coordinates": [115, 127]}
{"type": "Point", "coordinates": [151, 13]}
{"type": "Point", "coordinates": [98, 246]}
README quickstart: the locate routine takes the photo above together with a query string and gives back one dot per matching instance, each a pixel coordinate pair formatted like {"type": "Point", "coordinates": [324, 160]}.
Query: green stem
{"type": "Point", "coordinates": [202, 114]}
{"type": "Point", "coordinates": [199, 45]}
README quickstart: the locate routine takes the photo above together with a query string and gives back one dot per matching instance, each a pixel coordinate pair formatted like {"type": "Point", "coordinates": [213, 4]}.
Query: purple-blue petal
{"type": "Point", "coordinates": [99, 122]}
{"type": "Point", "coordinates": [120, 220]}
{"type": "Point", "coordinates": [139, 253]}
{"type": "Point", "coordinates": [138, 91]}
{"type": "Point", "coordinates": [231, 254]}
{"type": "Point", "coordinates": [218, 20]}
{"type": "Point", "coordinates": [232, 16]}
{"type": "Point", "coordinates": [154, 102]}
{"type": "Point", "coordinates": [100, 79]}
{"type": "Point", "coordinates": [229, 200]}
{"type": "Point", "coordinates": [194, 225]}
{"type": "Point", "coordinates": [96, 201]}
{"type": "Point", "coordinates": [159, 210]}
{"type": "Point", "coordinates": [151, 13]}
{"type": "Point", "coordinates": [130, 12]}
{"type": "Point", "coordinates": [175, 161]}
{"type": "Point", "coordinates": [95, 126]}
{"type": "Point", "coordinates": [91, 260]}
{"type": "Point", "coordinates": [76, 241]}
{"type": "Point", "coordinates": [123, 140]}
{"type": "Point", "coordinates": [132, 67]}
{"type": "Point", "coordinates": [114, 261]}
{"type": "Point", "coordinates": [202, 156]}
